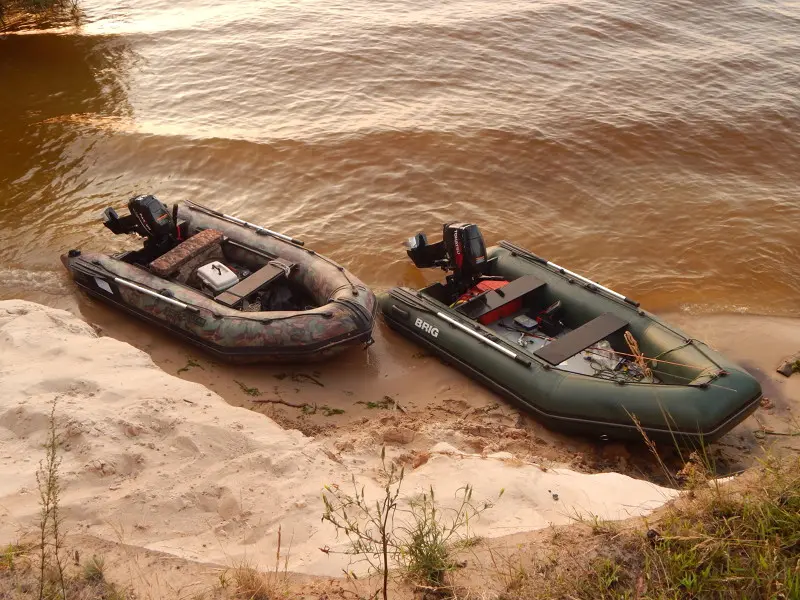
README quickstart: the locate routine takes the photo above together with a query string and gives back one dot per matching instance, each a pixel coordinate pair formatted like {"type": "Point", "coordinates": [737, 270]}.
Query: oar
{"type": "Point", "coordinates": [257, 228]}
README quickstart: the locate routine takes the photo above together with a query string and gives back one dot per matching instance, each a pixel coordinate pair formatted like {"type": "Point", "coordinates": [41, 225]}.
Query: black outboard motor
{"type": "Point", "coordinates": [149, 218]}
{"type": "Point", "coordinates": [425, 255]}
{"type": "Point", "coordinates": [462, 251]}
{"type": "Point", "coordinates": [466, 249]}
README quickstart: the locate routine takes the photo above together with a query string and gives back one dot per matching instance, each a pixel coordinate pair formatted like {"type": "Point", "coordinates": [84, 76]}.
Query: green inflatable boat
{"type": "Point", "coordinates": [579, 356]}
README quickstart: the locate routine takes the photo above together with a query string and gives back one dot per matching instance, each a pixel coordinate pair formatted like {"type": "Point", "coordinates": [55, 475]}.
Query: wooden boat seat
{"type": "Point", "coordinates": [266, 275]}
{"type": "Point", "coordinates": [494, 299]}
{"type": "Point", "coordinates": [198, 245]}
{"type": "Point", "coordinates": [581, 338]}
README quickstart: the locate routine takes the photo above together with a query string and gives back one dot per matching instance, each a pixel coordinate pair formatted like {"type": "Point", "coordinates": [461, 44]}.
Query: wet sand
{"type": "Point", "coordinates": [156, 462]}
{"type": "Point", "coordinates": [165, 497]}
{"type": "Point", "coordinates": [395, 393]}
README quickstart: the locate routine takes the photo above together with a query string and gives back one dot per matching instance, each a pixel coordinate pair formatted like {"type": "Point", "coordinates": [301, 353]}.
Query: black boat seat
{"type": "Point", "coordinates": [494, 299]}
{"type": "Point", "coordinates": [266, 275]}
{"type": "Point", "coordinates": [581, 338]}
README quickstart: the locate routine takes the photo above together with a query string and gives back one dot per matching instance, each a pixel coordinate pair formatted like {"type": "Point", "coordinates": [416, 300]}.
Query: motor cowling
{"type": "Point", "coordinates": [462, 250]}
{"type": "Point", "coordinates": [148, 217]}
{"type": "Point", "coordinates": [153, 216]}
{"type": "Point", "coordinates": [465, 249]}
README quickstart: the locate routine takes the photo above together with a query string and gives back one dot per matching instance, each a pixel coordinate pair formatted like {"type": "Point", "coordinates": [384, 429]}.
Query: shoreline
{"type": "Point", "coordinates": [164, 464]}
{"type": "Point", "coordinates": [418, 400]}
{"type": "Point", "coordinates": [167, 460]}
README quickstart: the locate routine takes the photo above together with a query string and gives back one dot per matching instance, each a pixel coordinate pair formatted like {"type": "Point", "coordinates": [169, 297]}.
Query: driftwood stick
{"type": "Point", "coordinates": [278, 401]}
{"type": "Point", "coordinates": [763, 432]}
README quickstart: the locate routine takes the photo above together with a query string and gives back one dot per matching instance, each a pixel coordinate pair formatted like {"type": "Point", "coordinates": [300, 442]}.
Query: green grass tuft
{"type": "Point", "coordinates": [94, 570]}
{"type": "Point", "coordinates": [250, 391]}
{"type": "Point", "coordinates": [190, 363]}
{"type": "Point", "coordinates": [385, 403]}
{"type": "Point", "coordinates": [311, 409]}
{"type": "Point", "coordinates": [721, 541]}
{"type": "Point", "coordinates": [10, 555]}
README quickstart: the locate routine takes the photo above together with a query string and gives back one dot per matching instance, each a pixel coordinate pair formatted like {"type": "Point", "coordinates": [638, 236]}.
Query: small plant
{"type": "Point", "coordinates": [44, 569]}
{"type": "Point", "coordinates": [608, 574]}
{"type": "Point", "coordinates": [385, 403]}
{"type": "Point", "coordinates": [311, 409]}
{"type": "Point", "coordinates": [248, 583]}
{"type": "Point", "coordinates": [433, 534]}
{"type": "Point", "coordinates": [301, 377]}
{"type": "Point", "coordinates": [730, 542]}
{"type": "Point", "coordinates": [599, 526]}
{"type": "Point", "coordinates": [423, 544]}
{"type": "Point", "coordinates": [51, 535]}
{"type": "Point", "coordinates": [509, 569]}
{"type": "Point", "coordinates": [222, 580]}
{"type": "Point", "coordinates": [250, 391]}
{"type": "Point", "coordinates": [725, 541]}
{"type": "Point", "coordinates": [9, 557]}
{"type": "Point", "coordinates": [94, 569]}
{"type": "Point", "coordinates": [190, 363]}
{"type": "Point", "coordinates": [369, 528]}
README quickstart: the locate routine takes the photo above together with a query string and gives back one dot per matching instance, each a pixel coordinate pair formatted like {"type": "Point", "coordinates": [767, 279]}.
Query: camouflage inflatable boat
{"type": "Point", "coordinates": [241, 291]}
{"type": "Point", "coordinates": [581, 357]}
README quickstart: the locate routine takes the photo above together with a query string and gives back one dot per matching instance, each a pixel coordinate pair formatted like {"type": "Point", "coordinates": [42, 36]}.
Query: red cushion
{"type": "Point", "coordinates": [498, 313]}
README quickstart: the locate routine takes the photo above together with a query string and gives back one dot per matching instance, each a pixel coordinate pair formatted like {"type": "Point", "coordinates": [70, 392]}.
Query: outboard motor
{"type": "Point", "coordinates": [462, 251]}
{"type": "Point", "coordinates": [466, 249]}
{"type": "Point", "coordinates": [149, 218]}
{"type": "Point", "coordinates": [425, 255]}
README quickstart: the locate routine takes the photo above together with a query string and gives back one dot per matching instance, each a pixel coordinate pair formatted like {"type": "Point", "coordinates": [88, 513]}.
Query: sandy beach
{"type": "Point", "coordinates": [156, 462]}
{"type": "Point", "coordinates": [396, 392]}
{"type": "Point", "coordinates": [182, 466]}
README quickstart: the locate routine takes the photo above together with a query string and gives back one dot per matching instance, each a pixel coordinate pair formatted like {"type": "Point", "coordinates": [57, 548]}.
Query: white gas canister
{"type": "Point", "coordinates": [217, 276]}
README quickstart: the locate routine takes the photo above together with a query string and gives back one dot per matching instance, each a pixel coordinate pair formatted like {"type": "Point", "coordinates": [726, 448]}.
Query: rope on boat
{"type": "Point", "coordinates": [688, 342]}
{"type": "Point", "coordinates": [287, 269]}
{"type": "Point", "coordinates": [342, 270]}
{"type": "Point", "coordinates": [689, 379]}
{"type": "Point", "coordinates": [610, 375]}
{"type": "Point", "coordinates": [647, 358]}
{"type": "Point", "coordinates": [666, 362]}
{"type": "Point", "coordinates": [633, 345]}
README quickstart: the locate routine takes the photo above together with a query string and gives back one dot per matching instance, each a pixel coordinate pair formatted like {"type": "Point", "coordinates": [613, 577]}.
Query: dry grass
{"type": "Point", "coordinates": [94, 569]}
{"type": "Point", "coordinates": [732, 540]}
{"type": "Point", "coordinates": [40, 569]}
{"type": "Point", "coordinates": [20, 578]}
{"type": "Point", "coordinates": [250, 583]}
{"type": "Point", "coordinates": [245, 582]}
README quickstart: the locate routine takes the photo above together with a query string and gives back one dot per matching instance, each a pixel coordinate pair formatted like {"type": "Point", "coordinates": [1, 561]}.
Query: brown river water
{"type": "Point", "coordinates": [652, 146]}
